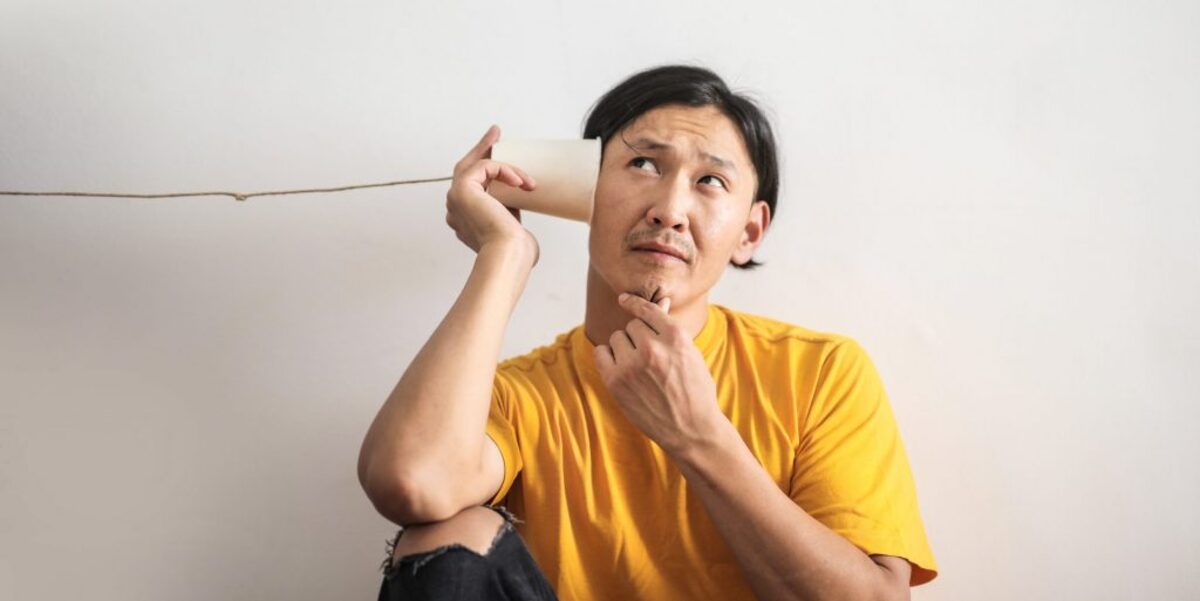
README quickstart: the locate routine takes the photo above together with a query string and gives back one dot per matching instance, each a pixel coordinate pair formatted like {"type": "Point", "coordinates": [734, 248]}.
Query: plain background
{"type": "Point", "coordinates": [997, 200]}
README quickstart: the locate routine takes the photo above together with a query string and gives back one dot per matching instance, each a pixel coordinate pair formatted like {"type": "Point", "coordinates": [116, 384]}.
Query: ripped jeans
{"type": "Point", "coordinates": [451, 572]}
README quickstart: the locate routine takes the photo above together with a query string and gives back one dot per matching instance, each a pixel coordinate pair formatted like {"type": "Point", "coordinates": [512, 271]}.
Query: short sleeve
{"type": "Point", "coordinates": [500, 429]}
{"type": "Point", "coordinates": [851, 471]}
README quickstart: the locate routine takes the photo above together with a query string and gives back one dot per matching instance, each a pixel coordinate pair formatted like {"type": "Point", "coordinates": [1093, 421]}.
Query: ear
{"type": "Point", "coordinates": [752, 235]}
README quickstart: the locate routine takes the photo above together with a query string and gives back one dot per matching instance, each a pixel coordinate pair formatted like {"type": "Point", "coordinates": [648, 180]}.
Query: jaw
{"type": "Point", "coordinates": [652, 289]}
{"type": "Point", "coordinates": [634, 277]}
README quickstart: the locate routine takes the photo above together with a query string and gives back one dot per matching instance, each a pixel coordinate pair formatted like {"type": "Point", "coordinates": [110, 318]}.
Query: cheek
{"type": "Point", "coordinates": [602, 201]}
{"type": "Point", "coordinates": [718, 231]}
{"type": "Point", "coordinates": [612, 208]}
{"type": "Point", "coordinates": [712, 224]}
{"type": "Point", "coordinates": [605, 228]}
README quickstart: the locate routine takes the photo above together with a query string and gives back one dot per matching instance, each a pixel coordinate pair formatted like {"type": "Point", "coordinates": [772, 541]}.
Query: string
{"type": "Point", "coordinates": [236, 195]}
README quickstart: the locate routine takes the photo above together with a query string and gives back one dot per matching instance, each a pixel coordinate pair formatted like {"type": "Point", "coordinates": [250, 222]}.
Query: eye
{"type": "Point", "coordinates": [636, 160]}
{"type": "Point", "coordinates": [718, 180]}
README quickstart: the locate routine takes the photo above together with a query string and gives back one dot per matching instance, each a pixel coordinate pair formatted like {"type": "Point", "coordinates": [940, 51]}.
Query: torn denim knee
{"type": "Point", "coordinates": [391, 565]}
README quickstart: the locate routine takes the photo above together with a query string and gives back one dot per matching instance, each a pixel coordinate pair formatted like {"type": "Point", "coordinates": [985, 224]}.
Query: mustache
{"type": "Point", "coordinates": [663, 237]}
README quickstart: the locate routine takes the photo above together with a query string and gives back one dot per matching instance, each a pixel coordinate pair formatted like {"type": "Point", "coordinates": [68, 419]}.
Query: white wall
{"type": "Point", "coordinates": [997, 199]}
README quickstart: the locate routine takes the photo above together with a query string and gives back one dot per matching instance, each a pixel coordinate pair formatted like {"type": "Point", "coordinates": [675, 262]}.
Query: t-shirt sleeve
{"type": "Point", "coordinates": [851, 471]}
{"type": "Point", "coordinates": [500, 429]}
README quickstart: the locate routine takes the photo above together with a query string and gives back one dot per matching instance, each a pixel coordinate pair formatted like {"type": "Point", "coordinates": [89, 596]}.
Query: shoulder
{"type": "Point", "coordinates": [543, 375]}
{"type": "Point", "coordinates": [762, 331]}
{"type": "Point", "coordinates": [555, 354]}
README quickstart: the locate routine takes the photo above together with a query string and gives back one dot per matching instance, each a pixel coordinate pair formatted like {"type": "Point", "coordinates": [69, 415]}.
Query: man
{"type": "Point", "coordinates": [667, 448]}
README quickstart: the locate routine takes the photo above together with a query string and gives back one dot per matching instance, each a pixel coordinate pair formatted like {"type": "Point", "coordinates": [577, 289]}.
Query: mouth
{"type": "Point", "coordinates": [661, 252]}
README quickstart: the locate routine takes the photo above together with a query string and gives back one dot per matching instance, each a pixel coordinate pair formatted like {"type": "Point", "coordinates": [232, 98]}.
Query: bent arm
{"type": "Point", "coordinates": [426, 456]}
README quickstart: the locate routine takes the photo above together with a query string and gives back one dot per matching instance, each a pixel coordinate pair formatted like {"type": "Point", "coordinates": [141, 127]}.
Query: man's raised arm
{"type": "Point", "coordinates": [425, 457]}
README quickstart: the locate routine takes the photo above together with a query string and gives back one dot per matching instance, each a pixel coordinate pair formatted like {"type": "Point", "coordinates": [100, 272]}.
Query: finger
{"type": "Point", "coordinates": [514, 176]}
{"type": "Point", "coordinates": [482, 148]}
{"type": "Point", "coordinates": [605, 361]}
{"type": "Point", "coordinates": [665, 303]}
{"type": "Point", "coordinates": [652, 314]}
{"type": "Point", "coordinates": [640, 333]}
{"type": "Point", "coordinates": [503, 172]}
{"type": "Point", "coordinates": [621, 345]}
{"type": "Point", "coordinates": [529, 184]}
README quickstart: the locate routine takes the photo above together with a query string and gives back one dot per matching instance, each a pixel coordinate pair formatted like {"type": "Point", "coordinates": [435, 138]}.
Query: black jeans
{"type": "Point", "coordinates": [506, 571]}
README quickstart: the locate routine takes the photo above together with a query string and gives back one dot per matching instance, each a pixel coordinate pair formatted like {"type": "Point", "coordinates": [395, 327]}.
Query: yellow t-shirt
{"type": "Point", "coordinates": [607, 515]}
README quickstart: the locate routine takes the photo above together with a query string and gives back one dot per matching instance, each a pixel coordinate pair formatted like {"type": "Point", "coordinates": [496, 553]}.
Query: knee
{"type": "Point", "coordinates": [474, 527]}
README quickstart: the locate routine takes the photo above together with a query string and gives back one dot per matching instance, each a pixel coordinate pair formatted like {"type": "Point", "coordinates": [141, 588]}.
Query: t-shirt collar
{"type": "Point", "coordinates": [709, 340]}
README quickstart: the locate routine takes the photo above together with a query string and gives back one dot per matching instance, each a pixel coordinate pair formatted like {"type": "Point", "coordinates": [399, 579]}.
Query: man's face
{"type": "Point", "coordinates": [679, 177]}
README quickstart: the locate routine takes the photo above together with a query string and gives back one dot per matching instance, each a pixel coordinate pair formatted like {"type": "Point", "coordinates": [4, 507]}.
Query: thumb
{"type": "Point", "coordinates": [604, 358]}
{"type": "Point", "coordinates": [665, 303]}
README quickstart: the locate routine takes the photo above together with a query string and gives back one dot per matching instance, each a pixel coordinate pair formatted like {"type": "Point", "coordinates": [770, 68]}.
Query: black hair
{"type": "Point", "coordinates": [694, 87]}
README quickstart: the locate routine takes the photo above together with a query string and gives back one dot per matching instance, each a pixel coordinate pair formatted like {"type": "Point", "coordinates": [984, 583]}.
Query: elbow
{"type": "Point", "coordinates": [406, 500]}
{"type": "Point", "coordinates": [894, 590]}
{"type": "Point", "coordinates": [890, 591]}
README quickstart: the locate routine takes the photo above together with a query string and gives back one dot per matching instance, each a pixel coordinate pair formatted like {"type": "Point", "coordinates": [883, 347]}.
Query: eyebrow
{"type": "Point", "coordinates": [652, 144]}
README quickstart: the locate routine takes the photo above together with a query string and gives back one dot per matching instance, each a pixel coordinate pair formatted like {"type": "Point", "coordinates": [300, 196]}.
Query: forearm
{"type": "Point", "coordinates": [434, 419]}
{"type": "Point", "coordinates": [784, 552]}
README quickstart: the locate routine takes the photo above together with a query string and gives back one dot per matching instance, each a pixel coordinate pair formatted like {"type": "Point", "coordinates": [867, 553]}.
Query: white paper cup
{"type": "Point", "coordinates": [565, 171]}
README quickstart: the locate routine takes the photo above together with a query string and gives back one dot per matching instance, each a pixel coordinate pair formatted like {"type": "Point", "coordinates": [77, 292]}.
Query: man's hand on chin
{"type": "Point", "coordinates": [658, 377]}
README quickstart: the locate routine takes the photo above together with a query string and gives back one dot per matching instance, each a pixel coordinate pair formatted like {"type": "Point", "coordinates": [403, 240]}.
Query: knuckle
{"type": "Point", "coordinates": [467, 172]}
{"type": "Point", "coordinates": [501, 167]}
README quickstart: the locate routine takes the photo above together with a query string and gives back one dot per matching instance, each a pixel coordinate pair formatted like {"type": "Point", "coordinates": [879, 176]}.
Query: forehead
{"type": "Point", "coordinates": [692, 130]}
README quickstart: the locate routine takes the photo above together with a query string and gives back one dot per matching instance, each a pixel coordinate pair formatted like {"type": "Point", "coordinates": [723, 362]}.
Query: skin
{"type": "Point", "coordinates": [431, 424]}
{"type": "Point", "coordinates": [676, 197]}
{"type": "Point", "coordinates": [658, 376]}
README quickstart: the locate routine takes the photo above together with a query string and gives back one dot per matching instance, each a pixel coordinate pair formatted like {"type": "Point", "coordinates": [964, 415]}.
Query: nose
{"type": "Point", "coordinates": [670, 209]}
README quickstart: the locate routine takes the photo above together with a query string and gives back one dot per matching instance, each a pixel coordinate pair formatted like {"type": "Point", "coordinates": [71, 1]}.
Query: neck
{"type": "Point", "coordinates": [604, 316]}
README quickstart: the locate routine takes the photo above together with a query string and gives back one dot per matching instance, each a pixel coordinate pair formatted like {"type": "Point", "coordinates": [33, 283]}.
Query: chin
{"type": "Point", "coordinates": [652, 287]}
{"type": "Point", "coordinates": [649, 284]}
{"type": "Point", "coordinates": [649, 290]}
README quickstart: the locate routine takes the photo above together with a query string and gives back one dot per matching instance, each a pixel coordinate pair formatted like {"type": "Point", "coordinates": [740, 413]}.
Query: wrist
{"type": "Point", "coordinates": [523, 251]}
{"type": "Point", "coordinates": [711, 439]}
